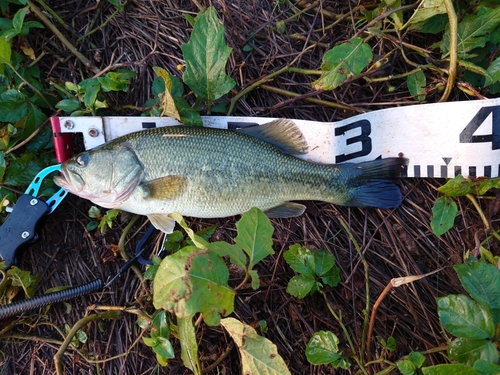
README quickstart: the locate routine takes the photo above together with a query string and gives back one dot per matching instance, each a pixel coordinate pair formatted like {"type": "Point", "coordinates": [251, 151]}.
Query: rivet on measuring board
{"type": "Point", "coordinates": [34, 201]}
{"type": "Point", "coordinates": [68, 124]}
{"type": "Point", "coordinates": [25, 234]}
{"type": "Point", "coordinates": [93, 132]}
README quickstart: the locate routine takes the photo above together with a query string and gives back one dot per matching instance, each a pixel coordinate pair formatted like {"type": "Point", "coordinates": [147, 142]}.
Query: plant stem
{"type": "Point", "coordinates": [94, 69]}
{"type": "Point", "coordinates": [79, 325]}
{"type": "Point", "coordinates": [121, 246]}
{"type": "Point", "coordinates": [366, 312]}
{"type": "Point", "coordinates": [479, 211]}
{"type": "Point", "coordinates": [452, 70]}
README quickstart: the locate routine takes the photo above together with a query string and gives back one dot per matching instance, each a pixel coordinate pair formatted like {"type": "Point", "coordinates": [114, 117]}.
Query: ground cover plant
{"type": "Point", "coordinates": [338, 290]}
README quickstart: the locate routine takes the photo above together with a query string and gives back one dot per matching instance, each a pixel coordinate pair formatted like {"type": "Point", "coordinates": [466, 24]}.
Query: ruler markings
{"type": "Point", "coordinates": [430, 171]}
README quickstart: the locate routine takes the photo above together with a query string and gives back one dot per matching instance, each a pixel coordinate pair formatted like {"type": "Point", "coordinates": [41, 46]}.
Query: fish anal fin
{"type": "Point", "coordinates": [285, 210]}
{"type": "Point", "coordinates": [282, 133]}
{"type": "Point", "coordinates": [168, 187]}
{"type": "Point", "coordinates": [162, 222]}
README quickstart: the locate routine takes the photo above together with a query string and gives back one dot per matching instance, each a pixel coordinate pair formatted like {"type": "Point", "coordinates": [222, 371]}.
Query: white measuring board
{"type": "Point", "coordinates": [440, 140]}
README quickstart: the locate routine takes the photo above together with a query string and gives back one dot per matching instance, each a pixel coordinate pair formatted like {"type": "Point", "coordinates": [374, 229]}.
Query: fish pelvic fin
{"type": "Point", "coordinates": [282, 133]}
{"type": "Point", "coordinates": [165, 188]}
{"type": "Point", "coordinates": [162, 222]}
{"type": "Point", "coordinates": [373, 185]}
{"type": "Point", "coordinates": [285, 210]}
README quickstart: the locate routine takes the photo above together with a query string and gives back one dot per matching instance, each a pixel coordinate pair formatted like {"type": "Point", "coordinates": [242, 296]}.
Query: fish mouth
{"type": "Point", "coordinates": [69, 180]}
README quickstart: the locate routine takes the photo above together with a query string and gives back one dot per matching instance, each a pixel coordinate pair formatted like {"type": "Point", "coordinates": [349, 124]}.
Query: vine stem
{"type": "Point", "coordinates": [452, 70]}
{"type": "Point", "coordinates": [76, 327]}
{"type": "Point", "coordinates": [121, 246]}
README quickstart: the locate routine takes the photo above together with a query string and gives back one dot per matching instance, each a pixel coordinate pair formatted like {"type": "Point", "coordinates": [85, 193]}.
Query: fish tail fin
{"type": "Point", "coordinates": [373, 184]}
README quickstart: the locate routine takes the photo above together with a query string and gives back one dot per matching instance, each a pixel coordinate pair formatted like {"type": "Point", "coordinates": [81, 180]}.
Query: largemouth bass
{"type": "Point", "coordinates": [209, 173]}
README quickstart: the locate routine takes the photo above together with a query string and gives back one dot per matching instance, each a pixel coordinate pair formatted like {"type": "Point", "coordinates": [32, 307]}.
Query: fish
{"type": "Point", "coordinates": [211, 173]}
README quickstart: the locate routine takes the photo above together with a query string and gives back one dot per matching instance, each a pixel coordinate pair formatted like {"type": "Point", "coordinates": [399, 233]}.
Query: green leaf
{"type": "Point", "coordinates": [161, 325]}
{"type": "Point", "coordinates": [189, 345]}
{"type": "Point", "coordinates": [323, 261]}
{"type": "Point", "coordinates": [21, 172]}
{"type": "Point", "coordinates": [206, 55]}
{"type": "Point", "coordinates": [168, 105]}
{"type": "Point", "coordinates": [210, 293]}
{"type": "Point", "coordinates": [13, 105]}
{"type": "Point", "coordinates": [443, 215]}
{"type": "Point", "coordinates": [472, 31]}
{"type": "Point", "coordinates": [467, 351]}
{"type": "Point", "coordinates": [296, 257]}
{"type": "Point", "coordinates": [342, 62]}
{"type": "Point", "coordinates": [255, 235]}
{"type": "Point", "coordinates": [258, 354]}
{"type": "Point", "coordinates": [332, 277]}
{"type": "Point", "coordinates": [482, 281]}
{"type": "Point", "coordinates": [300, 285]}
{"type": "Point", "coordinates": [171, 287]}
{"type": "Point", "coordinates": [406, 367]}
{"type": "Point", "coordinates": [494, 72]}
{"type": "Point", "coordinates": [425, 11]}
{"type": "Point", "coordinates": [235, 253]}
{"type": "Point", "coordinates": [418, 359]}
{"type": "Point", "coordinates": [465, 318]}
{"type": "Point", "coordinates": [448, 369]}
{"type": "Point", "coordinates": [5, 53]}
{"type": "Point", "coordinates": [17, 21]}
{"type": "Point", "coordinates": [254, 276]}
{"type": "Point", "coordinates": [322, 349]}
{"type": "Point", "coordinates": [24, 279]}
{"type": "Point", "coordinates": [483, 367]}
{"type": "Point", "coordinates": [92, 89]}
{"type": "Point", "coordinates": [416, 84]}
{"type": "Point", "coordinates": [198, 241]}
{"type": "Point", "coordinates": [460, 186]}
{"type": "Point", "coordinates": [390, 345]}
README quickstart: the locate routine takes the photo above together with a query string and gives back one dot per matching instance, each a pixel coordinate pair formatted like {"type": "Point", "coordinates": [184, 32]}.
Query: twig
{"type": "Point", "coordinates": [32, 135]}
{"type": "Point", "coordinates": [452, 70]}
{"type": "Point", "coordinates": [94, 69]}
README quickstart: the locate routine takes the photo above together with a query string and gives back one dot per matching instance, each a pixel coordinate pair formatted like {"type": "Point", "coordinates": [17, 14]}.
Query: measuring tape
{"type": "Point", "coordinates": [441, 140]}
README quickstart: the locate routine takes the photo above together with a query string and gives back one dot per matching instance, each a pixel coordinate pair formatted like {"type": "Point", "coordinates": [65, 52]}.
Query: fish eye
{"type": "Point", "coordinates": [82, 160]}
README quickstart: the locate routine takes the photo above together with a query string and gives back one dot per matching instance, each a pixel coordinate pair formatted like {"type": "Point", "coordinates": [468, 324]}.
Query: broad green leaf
{"type": "Point", "coordinates": [206, 55]}
{"type": "Point", "coordinates": [168, 105]}
{"type": "Point", "coordinates": [426, 10]}
{"type": "Point", "coordinates": [210, 293]}
{"type": "Point", "coordinates": [323, 261]}
{"type": "Point", "coordinates": [390, 344]}
{"type": "Point", "coordinates": [296, 257]}
{"type": "Point", "coordinates": [448, 369]}
{"type": "Point", "coordinates": [460, 186]}
{"type": "Point", "coordinates": [13, 105]}
{"type": "Point", "coordinates": [483, 367]}
{"type": "Point", "coordinates": [91, 90]}
{"type": "Point", "coordinates": [24, 279]}
{"type": "Point", "coordinates": [467, 351]}
{"type": "Point", "coordinates": [5, 53]}
{"type": "Point", "coordinates": [409, 366]}
{"type": "Point", "coordinates": [17, 21]}
{"type": "Point", "coordinates": [171, 287]}
{"type": "Point", "coordinates": [332, 277]}
{"type": "Point", "coordinates": [255, 235]}
{"type": "Point", "coordinates": [161, 326]}
{"type": "Point", "coordinates": [21, 172]}
{"type": "Point", "coordinates": [189, 345]}
{"type": "Point", "coordinates": [116, 81]}
{"type": "Point", "coordinates": [416, 85]}
{"type": "Point", "coordinates": [494, 72]}
{"type": "Point", "coordinates": [443, 215]}
{"type": "Point", "coordinates": [258, 354]}
{"type": "Point", "coordinates": [342, 62]}
{"type": "Point", "coordinates": [465, 318]}
{"type": "Point", "coordinates": [235, 253]}
{"type": "Point", "coordinates": [323, 349]}
{"type": "Point", "coordinates": [189, 116]}
{"type": "Point", "coordinates": [472, 31]}
{"type": "Point", "coordinates": [300, 285]}
{"type": "Point", "coordinates": [68, 105]}
{"type": "Point", "coordinates": [482, 281]}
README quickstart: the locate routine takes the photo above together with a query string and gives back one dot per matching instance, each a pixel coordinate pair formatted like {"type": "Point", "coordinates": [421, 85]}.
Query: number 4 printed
{"type": "Point", "coordinates": [467, 135]}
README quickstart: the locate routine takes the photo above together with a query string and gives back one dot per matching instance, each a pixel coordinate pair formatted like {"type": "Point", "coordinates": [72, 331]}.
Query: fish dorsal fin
{"type": "Point", "coordinates": [282, 133]}
{"type": "Point", "coordinates": [168, 187]}
{"type": "Point", "coordinates": [162, 222]}
{"type": "Point", "coordinates": [287, 209]}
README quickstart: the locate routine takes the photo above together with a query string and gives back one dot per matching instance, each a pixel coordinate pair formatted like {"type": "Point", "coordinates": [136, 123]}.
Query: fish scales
{"type": "Point", "coordinates": [208, 173]}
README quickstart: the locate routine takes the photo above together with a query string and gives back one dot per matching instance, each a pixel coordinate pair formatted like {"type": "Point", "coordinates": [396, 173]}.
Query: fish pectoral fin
{"type": "Point", "coordinates": [168, 187]}
{"type": "Point", "coordinates": [285, 210]}
{"type": "Point", "coordinates": [282, 133]}
{"type": "Point", "coordinates": [162, 222]}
